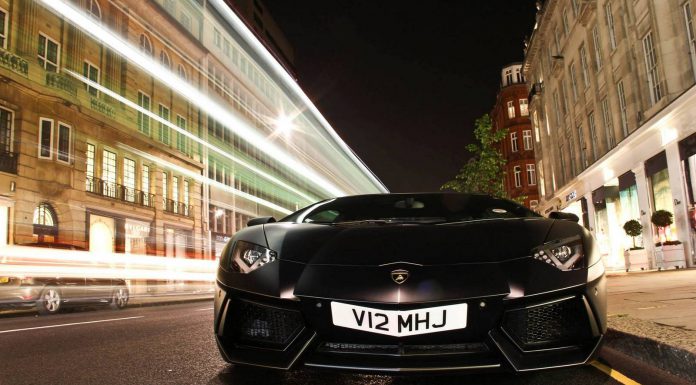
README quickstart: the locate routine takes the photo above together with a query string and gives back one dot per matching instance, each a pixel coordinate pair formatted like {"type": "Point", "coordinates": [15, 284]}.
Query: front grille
{"type": "Point", "coordinates": [555, 324]}
{"type": "Point", "coordinates": [402, 350]}
{"type": "Point", "coordinates": [258, 324]}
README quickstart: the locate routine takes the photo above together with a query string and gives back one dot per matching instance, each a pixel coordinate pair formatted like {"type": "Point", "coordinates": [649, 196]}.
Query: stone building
{"type": "Point", "coordinates": [153, 127]}
{"type": "Point", "coordinates": [511, 113]}
{"type": "Point", "coordinates": [612, 102]}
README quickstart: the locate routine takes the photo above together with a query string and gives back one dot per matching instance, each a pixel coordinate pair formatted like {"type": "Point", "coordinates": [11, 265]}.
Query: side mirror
{"type": "Point", "coordinates": [564, 216]}
{"type": "Point", "coordinates": [260, 221]}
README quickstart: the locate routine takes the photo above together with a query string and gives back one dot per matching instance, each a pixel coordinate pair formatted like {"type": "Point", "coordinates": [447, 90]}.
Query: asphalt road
{"type": "Point", "coordinates": [173, 344]}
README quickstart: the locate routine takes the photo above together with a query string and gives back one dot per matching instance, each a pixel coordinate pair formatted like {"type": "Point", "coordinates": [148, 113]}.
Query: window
{"type": "Point", "coordinates": [94, 9]}
{"type": "Point", "coordinates": [217, 37]}
{"type": "Point", "coordinates": [180, 137]}
{"type": "Point", "coordinates": [165, 180]}
{"type": "Point", "coordinates": [129, 179]}
{"type": "Point", "coordinates": [564, 97]}
{"type": "Point", "coordinates": [622, 107]}
{"type": "Point", "coordinates": [175, 194]}
{"type": "Point", "coordinates": [89, 172]}
{"type": "Point", "coordinates": [610, 25]}
{"type": "Point", "coordinates": [573, 81]}
{"type": "Point", "coordinates": [45, 223]}
{"type": "Point", "coordinates": [651, 68]}
{"type": "Point", "coordinates": [185, 21]}
{"type": "Point", "coordinates": [49, 53]}
{"type": "Point", "coordinates": [566, 28]}
{"type": "Point", "coordinates": [597, 48]}
{"type": "Point", "coordinates": [690, 35]}
{"type": "Point", "coordinates": [6, 132]}
{"type": "Point", "coordinates": [186, 197]}
{"type": "Point", "coordinates": [143, 119]}
{"type": "Point", "coordinates": [517, 170]}
{"type": "Point", "coordinates": [583, 147]}
{"type": "Point", "coordinates": [145, 44]}
{"type": "Point", "coordinates": [524, 107]}
{"type": "Point", "coordinates": [508, 76]}
{"type": "Point", "coordinates": [513, 141]}
{"type": "Point", "coordinates": [583, 65]}
{"type": "Point", "coordinates": [561, 160]}
{"type": "Point", "coordinates": [511, 109]}
{"type": "Point", "coordinates": [91, 72]}
{"type": "Point", "coordinates": [63, 142]}
{"type": "Point", "coordinates": [109, 173]}
{"type": "Point", "coordinates": [593, 135]}
{"type": "Point", "coordinates": [45, 138]}
{"type": "Point", "coordinates": [531, 175]}
{"type": "Point", "coordinates": [535, 122]}
{"type": "Point", "coordinates": [557, 108]}
{"type": "Point", "coordinates": [164, 59]}
{"type": "Point", "coordinates": [163, 128]}
{"type": "Point", "coordinates": [226, 48]}
{"type": "Point", "coordinates": [571, 153]}
{"type": "Point", "coordinates": [145, 184]}
{"type": "Point", "coordinates": [182, 71]}
{"type": "Point", "coordinates": [527, 139]}
{"type": "Point", "coordinates": [3, 28]}
{"type": "Point", "coordinates": [608, 126]}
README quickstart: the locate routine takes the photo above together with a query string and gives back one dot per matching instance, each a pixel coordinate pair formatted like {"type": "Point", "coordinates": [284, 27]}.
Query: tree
{"type": "Point", "coordinates": [484, 172]}
{"type": "Point", "coordinates": [633, 228]}
{"type": "Point", "coordinates": [661, 219]}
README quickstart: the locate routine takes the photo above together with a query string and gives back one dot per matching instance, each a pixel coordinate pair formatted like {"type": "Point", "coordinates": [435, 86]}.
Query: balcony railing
{"type": "Point", "coordinates": [178, 208]}
{"type": "Point", "coordinates": [116, 191]}
{"type": "Point", "coordinates": [8, 162]}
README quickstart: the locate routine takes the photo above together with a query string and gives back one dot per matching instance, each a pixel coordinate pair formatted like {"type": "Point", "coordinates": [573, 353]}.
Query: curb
{"type": "Point", "coordinates": [672, 359]}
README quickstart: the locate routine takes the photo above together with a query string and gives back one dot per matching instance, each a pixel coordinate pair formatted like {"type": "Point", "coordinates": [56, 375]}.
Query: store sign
{"type": "Point", "coordinates": [573, 194]}
{"type": "Point", "coordinates": [136, 236]}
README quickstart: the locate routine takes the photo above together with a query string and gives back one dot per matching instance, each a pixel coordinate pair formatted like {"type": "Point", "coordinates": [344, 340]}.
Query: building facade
{"type": "Point", "coordinates": [611, 97]}
{"type": "Point", "coordinates": [511, 113]}
{"type": "Point", "coordinates": [153, 128]}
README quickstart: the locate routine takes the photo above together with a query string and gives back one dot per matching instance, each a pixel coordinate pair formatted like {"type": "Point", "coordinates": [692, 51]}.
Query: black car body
{"type": "Point", "coordinates": [411, 282]}
{"type": "Point", "coordinates": [51, 294]}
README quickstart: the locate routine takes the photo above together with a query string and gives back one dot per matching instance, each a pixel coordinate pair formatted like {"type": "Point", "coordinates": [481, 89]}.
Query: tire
{"type": "Point", "coordinates": [119, 298]}
{"type": "Point", "coordinates": [50, 301]}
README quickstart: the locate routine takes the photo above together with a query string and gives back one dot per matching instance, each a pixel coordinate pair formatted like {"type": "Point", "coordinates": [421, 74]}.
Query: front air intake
{"type": "Point", "coordinates": [260, 325]}
{"type": "Point", "coordinates": [549, 325]}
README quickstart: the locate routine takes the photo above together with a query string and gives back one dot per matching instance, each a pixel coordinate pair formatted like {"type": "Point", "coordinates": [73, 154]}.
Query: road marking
{"type": "Point", "coordinates": [70, 324]}
{"type": "Point", "coordinates": [207, 308]}
{"type": "Point", "coordinates": [614, 374]}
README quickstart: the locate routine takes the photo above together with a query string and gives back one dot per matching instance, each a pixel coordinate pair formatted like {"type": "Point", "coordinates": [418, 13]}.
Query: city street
{"type": "Point", "coordinates": [173, 344]}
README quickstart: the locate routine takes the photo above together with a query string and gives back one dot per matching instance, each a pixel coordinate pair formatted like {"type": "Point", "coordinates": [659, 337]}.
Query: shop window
{"type": "Point", "coordinates": [45, 223]}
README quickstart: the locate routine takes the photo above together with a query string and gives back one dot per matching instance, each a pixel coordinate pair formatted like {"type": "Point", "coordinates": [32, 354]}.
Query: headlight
{"type": "Point", "coordinates": [564, 254]}
{"type": "Point", "coordinates": [247, 257]}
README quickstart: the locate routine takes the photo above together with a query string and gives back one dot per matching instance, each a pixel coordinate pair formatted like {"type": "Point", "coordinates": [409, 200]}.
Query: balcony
{"type": "Point", "coordinates": [8, 162]}
{"type": "Point", "coordinates": [61, 82]}
{"type": "Point", "coordinates": [178, 208]}
{"type": "Point", "coordinates": [122, 193]}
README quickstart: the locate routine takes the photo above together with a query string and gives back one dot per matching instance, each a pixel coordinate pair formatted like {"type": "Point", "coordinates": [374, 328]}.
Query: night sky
{"type": "Point", "coordinates": [403, 81]}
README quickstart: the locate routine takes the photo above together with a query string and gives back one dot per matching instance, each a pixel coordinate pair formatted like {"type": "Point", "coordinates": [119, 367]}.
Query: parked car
{"type": "Point", "coordinates": [411, 283]}
{"type": "Point", "coordinates": [51, 294]}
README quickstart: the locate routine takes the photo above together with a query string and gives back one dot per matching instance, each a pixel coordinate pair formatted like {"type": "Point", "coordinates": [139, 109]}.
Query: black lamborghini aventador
{"type": "Point", "coordinates": [411, 282]}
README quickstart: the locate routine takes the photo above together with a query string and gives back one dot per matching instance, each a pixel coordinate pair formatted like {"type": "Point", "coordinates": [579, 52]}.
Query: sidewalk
{"type": "Point", "coordinates": [652, 317]}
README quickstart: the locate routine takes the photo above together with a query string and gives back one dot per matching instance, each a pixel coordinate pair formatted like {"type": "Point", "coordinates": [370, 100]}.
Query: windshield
{"type": "Point", "coordinates": [410, 208]}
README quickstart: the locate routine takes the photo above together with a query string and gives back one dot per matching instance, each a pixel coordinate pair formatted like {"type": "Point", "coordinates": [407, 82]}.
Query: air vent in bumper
{"type": "Point", "coordinates": [266, 326]}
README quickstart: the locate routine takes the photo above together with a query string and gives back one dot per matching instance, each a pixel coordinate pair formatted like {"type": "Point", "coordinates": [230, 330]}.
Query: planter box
{"type": "Point", "coordinates": [639, 260]}
{"type": "Point", "coordinates": [671, 256]}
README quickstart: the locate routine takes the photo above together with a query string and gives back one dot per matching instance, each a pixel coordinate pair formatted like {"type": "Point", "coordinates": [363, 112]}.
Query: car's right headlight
{"type": "Point", "coordinates": [247, 256]}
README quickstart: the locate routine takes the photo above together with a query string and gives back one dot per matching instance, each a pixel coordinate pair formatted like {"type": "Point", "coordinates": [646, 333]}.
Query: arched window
{"type": "Point", "coordinates": [182, 72]}
{"type": "Point", "coordinates": [145, 44]}
{"type": "Point", "coordinates": [164, 59]}
{"type": "Point", "coordinates": [45, 223]}
{"type": "Point", "coordinates": [94, 8]}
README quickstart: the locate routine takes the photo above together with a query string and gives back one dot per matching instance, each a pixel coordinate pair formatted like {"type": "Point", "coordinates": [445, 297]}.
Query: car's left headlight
{"type": "Point", "coordinates": [247, 256]}
{"type": "Point", "coordinates": [564, 254]}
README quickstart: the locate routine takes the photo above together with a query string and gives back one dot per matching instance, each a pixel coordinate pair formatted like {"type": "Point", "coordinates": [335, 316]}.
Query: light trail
{"type": "Point", "coordinates": [202, 100]}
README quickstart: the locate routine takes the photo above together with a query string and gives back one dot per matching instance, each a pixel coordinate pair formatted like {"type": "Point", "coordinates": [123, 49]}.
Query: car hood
{"type": "Point", "coordinates": [371, 244]}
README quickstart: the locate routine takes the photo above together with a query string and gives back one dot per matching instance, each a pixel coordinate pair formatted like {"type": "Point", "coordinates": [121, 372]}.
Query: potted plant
{"type": "Point", "coordinates": [635, 256]}
{"type": "Point", "coordinates": [671, 251]}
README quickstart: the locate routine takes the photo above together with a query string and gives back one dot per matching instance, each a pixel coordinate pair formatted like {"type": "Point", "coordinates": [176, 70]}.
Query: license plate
{"type": "Point", "coordinates": [399, 323]}
{"type": "Point", "coordinates": [4, 279]}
